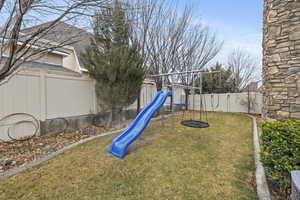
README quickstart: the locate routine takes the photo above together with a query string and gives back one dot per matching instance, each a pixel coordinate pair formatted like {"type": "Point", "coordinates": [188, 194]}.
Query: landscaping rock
{"type": "Point", "coordinates": [89, 131]}
{"type": "Point", "coordinates": [295, 185]}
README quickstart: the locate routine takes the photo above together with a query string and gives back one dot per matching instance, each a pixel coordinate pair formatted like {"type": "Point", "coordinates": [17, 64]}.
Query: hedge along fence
{"type": "Point", "coordinates": [281, 152]}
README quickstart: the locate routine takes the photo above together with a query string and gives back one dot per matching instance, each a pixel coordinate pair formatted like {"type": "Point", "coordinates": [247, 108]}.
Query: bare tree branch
{"type": "Point", "coordinates": [16, 46]}
{"type": "Point", "coordinates": [243, 68]}
{"type": "Point", "coordinates": [1, 4]}
{"type": "Point", "coordinates": [171, 40]}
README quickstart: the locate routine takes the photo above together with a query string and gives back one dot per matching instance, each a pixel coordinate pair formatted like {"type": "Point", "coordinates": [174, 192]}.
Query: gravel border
{"type": "Point", "coordinates": [6, 175]}
{"type": "Point", "coordinates": [262, 187]}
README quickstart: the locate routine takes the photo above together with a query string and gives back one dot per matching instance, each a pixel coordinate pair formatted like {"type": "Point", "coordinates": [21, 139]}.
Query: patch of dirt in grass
{"type": "Point", "coordinates": [19, 153]}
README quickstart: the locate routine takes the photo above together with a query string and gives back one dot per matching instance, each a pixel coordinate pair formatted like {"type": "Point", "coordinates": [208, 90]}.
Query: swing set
{"type": "Point", "coordinates": [197, 108]}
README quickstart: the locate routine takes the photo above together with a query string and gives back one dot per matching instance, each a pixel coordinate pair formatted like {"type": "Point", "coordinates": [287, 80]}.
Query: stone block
{"type": "Point", "coordinates": [281, 50]}
{"type": "Point", "coordinates": [275, 81]}
{"type": "Point", "coordinates": [273, 13]}
{"type": "Point", "coordinates": [278, 101]}
{"type": "Point", "coordinates": [273, 70]}
{"type": "Point", "coordinates": [281, 85]}
{"type": "Point", "coordinates": [285, 55]}
{"type": "Point", "coordinates": [298, 100]}
{"type": "Point", "coordinates": [291, 101]}
{"type": "Point", "coordinates": [280, 97]}
{"type": "Point", "coordinates": [293, 92]}
{"type": "Point", "coordinates": [294, 61]}
{"type": "Point", "coordinates": [294, 52]}
{"type": "Point", "coordinates": [283, 114]}
{"type": "Point", "coordinates": [274, 107]}
{"type": "Point", "coordinates": [284, 66]}
{"type": "Point", "coordinates": [279, 89]}
{"type": "Point", "coordinates": [295, 108]}
{"type": "Point", "coordinates": [274, 31]}
{"type": "Point", "coordinates": [297, 46]}
{"type": "Point", "coordinates": [293, 70]}
{"type": "Point", "coordinates": [275, 58]}
{"type": "Point", "coordinates": [295, 35]}
{"type": "Point", "coordinates": [282, 38]}
{"type": "Point", "coordinates": [284, 44]}
{"type": "Point", "coordinates": [285, 108]}
{"type": "Point", "coordinates": [297, 14]}
{"type": "Point", "coordinates": [295, 115]}
{"type": "Point", "coordinates": [291, 79]}
{"type": "Point", "coordinates": [296, 10]}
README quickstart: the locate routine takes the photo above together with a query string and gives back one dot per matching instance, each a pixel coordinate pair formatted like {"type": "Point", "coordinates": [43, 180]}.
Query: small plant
{"type": "Point", "coordinates": [281, 152]}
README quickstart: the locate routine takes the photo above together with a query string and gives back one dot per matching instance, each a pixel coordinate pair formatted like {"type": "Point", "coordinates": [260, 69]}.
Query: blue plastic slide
{"type": "Point", "coordinates": [121, 143]}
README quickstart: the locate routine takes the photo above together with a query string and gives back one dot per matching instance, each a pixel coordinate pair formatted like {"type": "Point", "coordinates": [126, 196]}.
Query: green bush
{"type": "Point", "coordinates": [281, 151]}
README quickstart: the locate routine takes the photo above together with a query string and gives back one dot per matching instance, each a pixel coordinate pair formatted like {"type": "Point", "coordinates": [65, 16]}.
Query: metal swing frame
{"type": "Point", "coordinates": [192, 122]}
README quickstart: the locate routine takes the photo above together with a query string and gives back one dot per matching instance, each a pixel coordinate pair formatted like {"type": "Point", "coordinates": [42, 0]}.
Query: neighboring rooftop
{"type": "Point", "coordinates": [44, 66]}
{"type": "Point", "coordinates": [62, 32]}
{"type": "Point", "coordinates": [47, 67]}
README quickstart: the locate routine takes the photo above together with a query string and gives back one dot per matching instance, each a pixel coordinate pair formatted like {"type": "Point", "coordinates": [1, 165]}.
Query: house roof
{"type": "Point", "coordinates": [43, 66]}
{"type": "Point", "coordinates": [62, 32]}
{"type": "Point", "coordinates": [47, 67]}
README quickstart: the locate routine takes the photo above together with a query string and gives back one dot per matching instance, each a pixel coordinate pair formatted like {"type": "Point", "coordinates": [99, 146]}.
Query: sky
{"type": "Point", "coordinates": [237, 22]}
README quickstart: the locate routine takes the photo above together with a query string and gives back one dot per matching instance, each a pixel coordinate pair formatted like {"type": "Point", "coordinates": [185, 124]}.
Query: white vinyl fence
{"type": "Point", "coordinates": [147, 93]}
{"type": "Point", "coordinates": [48, 96]}
{"type": "Point", "coordinates": [229, 102]}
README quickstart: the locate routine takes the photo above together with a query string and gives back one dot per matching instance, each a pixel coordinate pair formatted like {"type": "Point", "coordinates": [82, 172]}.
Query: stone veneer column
{"type": "Point", "coordinates": [281, 59]}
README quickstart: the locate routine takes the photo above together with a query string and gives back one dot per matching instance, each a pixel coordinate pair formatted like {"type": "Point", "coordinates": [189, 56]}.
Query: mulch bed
{"type": "Point", "coordinates": [19, 153]}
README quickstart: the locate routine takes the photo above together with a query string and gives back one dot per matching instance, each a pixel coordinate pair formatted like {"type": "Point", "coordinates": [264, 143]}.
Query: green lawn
{"type": "Point", "coordinates": [166, 163]}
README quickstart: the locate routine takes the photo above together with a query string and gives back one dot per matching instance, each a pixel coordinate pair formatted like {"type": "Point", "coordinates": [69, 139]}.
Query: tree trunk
{"type": "Point", "coordinates": [121, 118]}
{"type": "Point", "coordinates": [158, 85]}
{"type": "Point", "coordinates": [111, 118]}
{"type": "Point", "coordinates": [187, 93]}
{"type": "Point", "coordinates": [138, 106]}
{"type": "Point", "coordinates": [171, 102]}
{"type": "Point", "coordinates": [249, 106]}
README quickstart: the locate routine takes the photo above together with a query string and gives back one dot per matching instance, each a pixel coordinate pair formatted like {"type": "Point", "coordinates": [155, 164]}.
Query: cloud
{"type": "Point", "coordinates": [244, 38]}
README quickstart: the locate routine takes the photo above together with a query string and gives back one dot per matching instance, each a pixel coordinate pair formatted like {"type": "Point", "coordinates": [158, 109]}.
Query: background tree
{"type": "Point", "coordinates": [243, 68]}
{"type": "Point", "coordinates": [17, 47]}
{"type": "Point", "coordinates": [172, 40]}
{"type": "Point", "coordinates": [216, 82]}
{"type": "Point", "coordinates": [114, 61]}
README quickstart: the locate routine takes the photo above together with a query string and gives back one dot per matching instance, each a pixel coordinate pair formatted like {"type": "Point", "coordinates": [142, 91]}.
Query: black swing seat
{"type": "Point", "coordinates": [195, 124]}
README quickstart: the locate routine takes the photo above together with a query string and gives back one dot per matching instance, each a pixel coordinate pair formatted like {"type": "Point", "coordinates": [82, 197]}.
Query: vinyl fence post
{"type": "Point", "coordinates": [43, 93]}
{"type": "Point", "coordinates": [94, 97]}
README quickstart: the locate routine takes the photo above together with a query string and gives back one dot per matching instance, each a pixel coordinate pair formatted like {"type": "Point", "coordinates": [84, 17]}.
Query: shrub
{"type": "Point", "coordinates": [281, 151]}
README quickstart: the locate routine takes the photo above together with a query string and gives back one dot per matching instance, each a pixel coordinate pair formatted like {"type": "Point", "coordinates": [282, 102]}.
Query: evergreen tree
{"type": "Point", "coordinates": [113, 60]}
